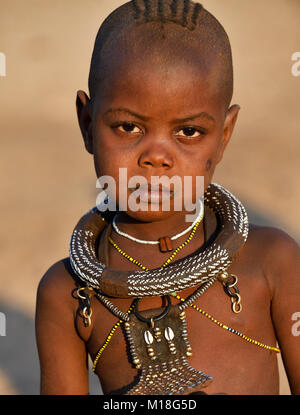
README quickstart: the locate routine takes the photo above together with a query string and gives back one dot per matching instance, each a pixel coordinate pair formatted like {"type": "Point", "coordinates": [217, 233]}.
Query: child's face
{"type": "Point", "coordinates": [157, 120]}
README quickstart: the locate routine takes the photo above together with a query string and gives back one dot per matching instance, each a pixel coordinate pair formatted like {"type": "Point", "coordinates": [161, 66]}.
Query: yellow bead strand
{"type": "Point", "coordinates": [204, 313]}
{"type": "Point", "coordinates": [224, 326]}
{"type": "Point", "coordinates": [134, 261]}
{"type": "Point", "coordinates": [107, 340]}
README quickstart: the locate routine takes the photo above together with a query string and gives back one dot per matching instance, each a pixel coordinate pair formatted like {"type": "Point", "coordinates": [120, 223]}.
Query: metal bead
{"type": "Point", "coordinates": [223, 276]}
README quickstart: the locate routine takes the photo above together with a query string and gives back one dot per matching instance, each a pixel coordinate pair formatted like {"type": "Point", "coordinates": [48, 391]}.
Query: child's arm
{"type": "Point", "coordinates": [63, 356]}
{"type": "Point", "coordinates": [283, 272]}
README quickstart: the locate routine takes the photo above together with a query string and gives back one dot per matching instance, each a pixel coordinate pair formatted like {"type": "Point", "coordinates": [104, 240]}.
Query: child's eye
{"type": "Point", "coordinates": [190, 132]}
{"type": "Point", "coordinates": [128, 127]}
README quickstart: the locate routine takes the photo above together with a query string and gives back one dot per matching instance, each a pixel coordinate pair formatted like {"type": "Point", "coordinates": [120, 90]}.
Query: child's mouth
{"type": "Point", "coordinates": [153, 194]}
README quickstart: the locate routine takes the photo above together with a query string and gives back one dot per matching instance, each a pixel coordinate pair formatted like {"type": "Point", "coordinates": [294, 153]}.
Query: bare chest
{"type": "Point", "coordinates": [228, 346]}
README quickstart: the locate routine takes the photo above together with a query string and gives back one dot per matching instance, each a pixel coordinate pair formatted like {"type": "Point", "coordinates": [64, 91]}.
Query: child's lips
{"type": "Point", "coordinates": [153, 194]}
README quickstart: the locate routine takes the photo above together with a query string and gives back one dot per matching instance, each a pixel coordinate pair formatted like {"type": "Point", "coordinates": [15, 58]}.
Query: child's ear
{"type": "Point", "coordinates": [229, 124]}
{"type": "Point", "coordinates": [83, 107]}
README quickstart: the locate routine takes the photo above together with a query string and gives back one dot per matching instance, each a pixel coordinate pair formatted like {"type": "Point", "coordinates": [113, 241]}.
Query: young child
{"type": "Point", "coordinates": [160, 86]}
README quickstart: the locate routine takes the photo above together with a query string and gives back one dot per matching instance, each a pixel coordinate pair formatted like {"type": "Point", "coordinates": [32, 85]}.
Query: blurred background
{"type": "Point", "coordinates": [48, 180]}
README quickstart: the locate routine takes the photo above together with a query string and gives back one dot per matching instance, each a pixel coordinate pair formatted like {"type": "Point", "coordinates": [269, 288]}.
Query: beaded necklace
{"type": "Point", "coordinates": [165, 244]}
{"type": "Point", "coordinates": [134, 261]}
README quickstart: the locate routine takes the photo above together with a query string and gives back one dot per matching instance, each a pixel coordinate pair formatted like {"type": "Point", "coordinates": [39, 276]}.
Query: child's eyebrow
{"type": "Point", "coordinates": [177, 120]}
{"type": "Point", "coordinates": [134, 114]}
{"type": "Point", "coordinates": [192, 117]}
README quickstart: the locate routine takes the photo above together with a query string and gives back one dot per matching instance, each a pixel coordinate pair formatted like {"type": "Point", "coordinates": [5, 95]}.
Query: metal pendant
{"type": "Point", "coordinates": [159, 349]}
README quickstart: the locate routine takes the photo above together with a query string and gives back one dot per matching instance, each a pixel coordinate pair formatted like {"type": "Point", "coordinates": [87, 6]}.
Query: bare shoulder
{"type": "Point", "coordinates": [58, 273]}
{"type": "Point", "coordinates": [57, 285]}
{"type": "Point", "coordinates": [278, 251]}
{"type": "Point", "coordinates": [270, 235]}
{"type": "Point", "coordinates": [280, 256]}
{"type": "Point", "coordinates": [272, 241]}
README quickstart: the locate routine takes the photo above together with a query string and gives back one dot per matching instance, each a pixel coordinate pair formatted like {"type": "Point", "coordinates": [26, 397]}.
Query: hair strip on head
{"type": "Point", "coordinates": [198, 7]}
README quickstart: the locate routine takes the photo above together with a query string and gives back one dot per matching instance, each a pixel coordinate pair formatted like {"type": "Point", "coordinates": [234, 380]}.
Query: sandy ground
{"type": "Point", "coordinates": [47, 180]}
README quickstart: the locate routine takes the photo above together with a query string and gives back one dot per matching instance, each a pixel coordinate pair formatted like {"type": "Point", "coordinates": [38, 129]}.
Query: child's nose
{"type": "Point", "coordinates": [156, 156]}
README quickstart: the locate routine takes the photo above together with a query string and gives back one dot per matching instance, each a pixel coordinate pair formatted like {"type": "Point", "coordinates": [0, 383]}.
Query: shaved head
{"type": "Point", "coordinates": [163, 33]}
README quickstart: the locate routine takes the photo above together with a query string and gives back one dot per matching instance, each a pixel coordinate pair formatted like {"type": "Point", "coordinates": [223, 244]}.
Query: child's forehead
{"type": "Point", "coordinates": [158, 66]}
{"type": "Point", "coordinates": [156, 70]}
{"type": "Point", "coordinates": [159, 92]}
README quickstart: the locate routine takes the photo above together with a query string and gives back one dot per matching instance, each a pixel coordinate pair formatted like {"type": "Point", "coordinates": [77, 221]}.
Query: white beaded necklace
{"type": "Point", "coordinates": [142, 241]}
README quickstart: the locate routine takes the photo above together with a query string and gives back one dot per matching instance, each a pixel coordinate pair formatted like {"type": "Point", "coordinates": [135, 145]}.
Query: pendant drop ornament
{"type": "Point", "coordinates": [162, 360]}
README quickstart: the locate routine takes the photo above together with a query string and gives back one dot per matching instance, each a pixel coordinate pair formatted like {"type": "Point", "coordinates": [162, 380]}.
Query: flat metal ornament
{"type": "Point", "coordinates": [159, 351]}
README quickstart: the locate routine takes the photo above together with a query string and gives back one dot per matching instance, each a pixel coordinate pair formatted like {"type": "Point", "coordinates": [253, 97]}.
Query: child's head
{"type": "Point", "coordinates": [160, 88]}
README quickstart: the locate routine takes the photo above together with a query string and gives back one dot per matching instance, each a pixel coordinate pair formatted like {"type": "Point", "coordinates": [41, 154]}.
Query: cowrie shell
{"type": "Point", "coordinates": [169, 334]}
{"type": "Point", "coordinates": [148, 337]}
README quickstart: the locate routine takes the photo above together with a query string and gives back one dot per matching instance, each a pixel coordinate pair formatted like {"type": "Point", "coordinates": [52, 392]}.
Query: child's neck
{"type": "Point", "coordinates": [152, 231]}
{"type": "Point", "coordinates": [150, 255]}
